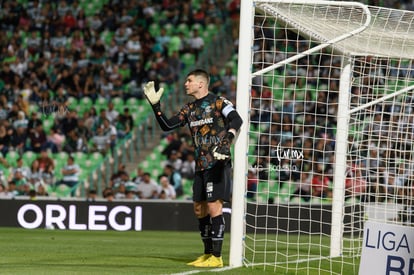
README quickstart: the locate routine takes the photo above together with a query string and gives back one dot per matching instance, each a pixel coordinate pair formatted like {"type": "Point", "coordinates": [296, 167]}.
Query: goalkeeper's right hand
{"type": "Point", "coordinates": [222, 150]}
{"type": "Point", "coordinates": [152, 96]}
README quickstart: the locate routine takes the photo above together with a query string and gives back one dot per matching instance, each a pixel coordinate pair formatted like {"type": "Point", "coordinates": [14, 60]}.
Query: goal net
{"type": "Point", "coordinates": [330, 127]}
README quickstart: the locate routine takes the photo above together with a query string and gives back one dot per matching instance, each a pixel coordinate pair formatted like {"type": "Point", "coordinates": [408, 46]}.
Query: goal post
{"type": "Point", "coordinates": [239, 172]}
{"type": "Point", "coordinates": [325, 91]}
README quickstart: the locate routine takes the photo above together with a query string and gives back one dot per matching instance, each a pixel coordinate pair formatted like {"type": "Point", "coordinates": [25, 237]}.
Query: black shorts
{"type": "Point", "coordinates": [213, 184]}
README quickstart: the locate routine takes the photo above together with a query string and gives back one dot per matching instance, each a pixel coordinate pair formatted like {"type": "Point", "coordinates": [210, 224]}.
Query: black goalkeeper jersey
{"type": "Point", "coordinates": [208, 121]}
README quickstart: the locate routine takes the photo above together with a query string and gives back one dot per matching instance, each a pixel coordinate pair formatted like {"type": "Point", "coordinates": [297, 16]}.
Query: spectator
{"type": "Point", "coordinates": [196, 43]}
{"type": "Point", "coordinates": [303, 188]}
{"type": "Point", "coordinates": [124, 124]}
{"type": "Point", "coordinates": [38, 139]}
{"type": "Point", "coordinates": [12, 190]}
{"type": "Point", "coordinates": [175, 179]}
{"type": "Point", "coordinates": [355, 183]}
{"type": "Point", "coordinates": [20, 167]}
{"type": "Point", "coordinates": [116, 177]}
{"type": "Point", "coordinates": [69, 122]}
{"type": "Point", "coordinates": [40, 190]}
{"type": "Point", "coordinates": [83, 131]}
{"type": "Point", "coordinates": [74, 143]}
{"type": "Point", "coordinates": [70, 174]}
{"type": "Point", "coordinates": [110, 133]}
{"type": "Point", "coordinates": [111, 113]}
{"type": "Point", "coordinates": [92, 195]}
{"type": "Point", "coordinates": [119, 191]}
{"type": "Point", "coordinates": [18, 139]}
{"type": "Point", "coordinates": [187, 169]}
{"type": "Point", "coordinates": [123, 184]}
{"type": "Point", "coordinates": [5, 141]}
{"type": "Point", "coordinates": [147, 187]}
{"type": "Point", "coordinates": [35, 175]}
{"type": "Point", "coordinates": [91, 118]}
{"type": "Point", "coordinates": [46, 166]}
{"type": "Point", "coordinates": [320, 185]}
{"type": "Point", "coordinates": [167, 190]}
{"type": "Point", "coordinates": [134, 50]}
{"type": "Point", "coordinates": [108, 194]}
{"type": "Point", "coordinates": [3, 191]}
{"type": "Point", "coordinates": [21, 121]}
{"type": "Point", "coordinates": [252, 184]}
{"type": "Point", "coordinates": [174, 159]}
{"type": "Point", "coordinates": [23, 187]}
{"type": "Point", "coordinates": [55, 140]}
{"type": "Point", "coordinates": [131, 195]}
{"type": "Point", "coordinates": [227, 79]}
{"type": "Point", "coordinates": [166, 73]}
{"type": "Point", "coordinates": [100, 141]}
{"type": "Point", "coordinates": [163, 39]}
{"type": "Point", "coordinates": [34, 120]}
{"type": "Point", "coordinates": [216, 83]}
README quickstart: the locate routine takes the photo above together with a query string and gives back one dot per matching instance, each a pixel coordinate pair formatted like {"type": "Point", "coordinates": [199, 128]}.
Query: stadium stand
{"type": "Point", "coordinates": [76, 45]}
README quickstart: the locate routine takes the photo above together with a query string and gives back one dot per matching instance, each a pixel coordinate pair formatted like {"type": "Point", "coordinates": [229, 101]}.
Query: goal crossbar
{"type": "Point", "coordinates": [298, 22]}
{"type": "Point", "coordinates": [375, 27]}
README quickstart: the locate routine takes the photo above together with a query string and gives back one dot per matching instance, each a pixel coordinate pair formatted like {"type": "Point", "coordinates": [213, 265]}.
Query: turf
{"type": "Point", "coordinates": [44, 251]}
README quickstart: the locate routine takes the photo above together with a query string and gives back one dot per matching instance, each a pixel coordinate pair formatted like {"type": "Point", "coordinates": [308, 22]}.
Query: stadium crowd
{"type": "Point", "coordinates": [296, 134]}
{"type": "Point", "coordinates": [65, 64]}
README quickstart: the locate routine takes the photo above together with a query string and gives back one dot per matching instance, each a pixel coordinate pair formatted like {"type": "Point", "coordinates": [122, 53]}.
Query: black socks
{"type": "Point", "coordinates": [217, 234]}
{"type": "Point", "coordinates": [204, 225]}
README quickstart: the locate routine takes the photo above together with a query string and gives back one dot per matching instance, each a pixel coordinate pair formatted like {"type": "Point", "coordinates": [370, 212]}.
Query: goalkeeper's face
{"type": "Point", "coordinates": [195, 86]}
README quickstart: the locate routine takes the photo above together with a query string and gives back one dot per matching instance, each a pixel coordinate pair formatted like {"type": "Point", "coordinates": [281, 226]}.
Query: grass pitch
{"type": "Point", "coordinates": [44, 251]}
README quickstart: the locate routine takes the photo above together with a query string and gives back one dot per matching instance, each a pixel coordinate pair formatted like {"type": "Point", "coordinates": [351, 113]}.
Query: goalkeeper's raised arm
{"type": "Point", "coordinates": [154, 98]}
{"type": "Point", "coordinates": [213, 122]}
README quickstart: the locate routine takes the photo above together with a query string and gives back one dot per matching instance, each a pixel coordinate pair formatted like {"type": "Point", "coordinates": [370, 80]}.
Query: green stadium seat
{"type": "Point", "coordinates": [87, 169]}
{"type": "Point", "coordinates": [169, 28]}
{"type": "Point", "coordinates": [33, 108]}
{"type": "Point", "coordinates": [60, 159]}
{"type": "Point", "coordinates": [188, 59]}
{"type": "Point", "coordinates": [101, 103]}
{"type": "Point", "coordinates": [62, 191]}
{"type": "Point", "coordinates": [207, 36]}
{"type": "Point", "coordinates": [80, 158]}
{"type": "Point", "coordinates": [73, 103]}
{"type": "Point", "coordinates": [197, 26]}
{"type": "Point", "coordinates": [86, 102]}
{"type": "Point", "coordinates": [184, 29]}
{"type": "Point", "coordinates": [212, 28]}
{"type": "Point", "coordinates": [132, 101]}
{"type": "Point", "coordinates": [96, 158]}
{"type": "Point", "coordinates": [48, 122]}
{"type": "Point", "coordinates": [29, 157]}
{"type": "Point", "coordinates": [118, 103]}
{"type": "Point", "coordinates": [174, 44]}
{"type": "Point", "coordinates": [11, 157]}
{"type": "Point", "coordinates": [107, 36]}
{"type": "Point", "coordinates": [154, 29]}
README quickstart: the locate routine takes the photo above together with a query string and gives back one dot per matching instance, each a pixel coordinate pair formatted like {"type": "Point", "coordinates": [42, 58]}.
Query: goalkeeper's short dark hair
{"type": "Point", "coordinates": [200, 72]}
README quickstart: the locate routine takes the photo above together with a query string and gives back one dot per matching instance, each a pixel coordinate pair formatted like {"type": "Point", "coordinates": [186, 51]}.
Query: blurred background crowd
{"type": "Point", "coordinates": [71, 82]}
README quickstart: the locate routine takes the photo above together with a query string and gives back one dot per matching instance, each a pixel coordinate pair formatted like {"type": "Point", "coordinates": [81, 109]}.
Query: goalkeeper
{"type": "Point", "coordinates": [213, 122]}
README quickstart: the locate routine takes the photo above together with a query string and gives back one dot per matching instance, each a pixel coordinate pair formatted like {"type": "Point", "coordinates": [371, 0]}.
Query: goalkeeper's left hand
{"type": "Point", "coordinates": [222, 150]}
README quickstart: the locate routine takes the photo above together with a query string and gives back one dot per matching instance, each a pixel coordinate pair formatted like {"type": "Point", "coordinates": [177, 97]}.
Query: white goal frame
{"type": "Point", "coordinates": [244, 85]}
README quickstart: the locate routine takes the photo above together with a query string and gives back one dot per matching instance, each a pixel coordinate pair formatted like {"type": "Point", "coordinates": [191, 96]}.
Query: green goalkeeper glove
{"type": "Point", "coordinates": [152, 96]}
{"type": "Point", "coordinates": [222, 150]}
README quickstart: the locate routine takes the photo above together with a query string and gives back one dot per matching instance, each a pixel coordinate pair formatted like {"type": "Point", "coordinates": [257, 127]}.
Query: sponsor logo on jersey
{"type": "Point", "coordinates": [201, 122]}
